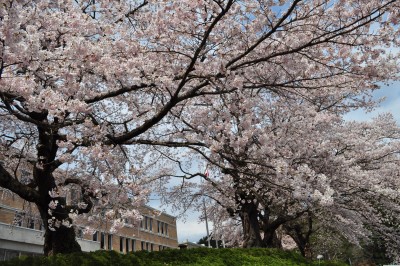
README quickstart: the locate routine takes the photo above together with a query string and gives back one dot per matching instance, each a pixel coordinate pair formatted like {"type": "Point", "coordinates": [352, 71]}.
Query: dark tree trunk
{"type": "Point", "coordinates": [251, 227]}
{"type": "Point", "coordinates": [269, 227]}
{"type": "Point", "coordinates": [308, 251]}
{"type": "Point", "coordinates": [303, 245]}
{"type": "Point", "coordinates": [58, 239]}
{"type": "Point", "coordinates": [271, 239]}
{"type": "Point", "coordinates": [301, 232]}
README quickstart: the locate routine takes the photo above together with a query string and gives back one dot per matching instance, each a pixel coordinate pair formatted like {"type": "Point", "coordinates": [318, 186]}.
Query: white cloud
{"type": "Point", "coordinates": [191, 230]}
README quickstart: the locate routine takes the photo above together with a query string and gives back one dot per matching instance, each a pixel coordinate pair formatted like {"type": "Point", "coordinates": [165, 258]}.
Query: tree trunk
{"type": "Point", "coordinates": [251, 227]}
{"type": "Point", "coordinates": [304, 248]}
{"type": "Point", "coordinates": [60, 241]}
{"type": "Point", "coordinates": [271, 239]}
{"type": "Point", "coordinates": [301, 245]}
{"type": "Point", "coordinates": [60, 238]}
{"type": "Point", "coordinates": [301, 233]}
{"type": "Point", "coordinates": [308, 251]}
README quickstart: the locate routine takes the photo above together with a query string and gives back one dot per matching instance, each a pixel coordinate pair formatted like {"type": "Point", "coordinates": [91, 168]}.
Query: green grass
{"type": "Point", "coordinates": [198, 257]}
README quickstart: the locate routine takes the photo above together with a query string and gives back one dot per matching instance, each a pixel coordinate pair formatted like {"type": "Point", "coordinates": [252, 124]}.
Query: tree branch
{"type": "Point", "coordinates": [24, 191]}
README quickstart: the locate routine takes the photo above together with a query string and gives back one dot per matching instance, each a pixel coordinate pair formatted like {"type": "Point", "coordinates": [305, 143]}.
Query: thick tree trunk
{"type": "Point", "coordinates": [308, 251]}
{"type": "Point", "coordinates": [271, 239]}
{"type": "Point", "coordinates": [60, 241]}
{"type": "Point", "coordinates": [60, 238]}
{"type": "Point", "coordinates": [303, 246]}
{"type": "Point", "coordinates": [269, 227]}
{"type": "Point", "coordinates": [251, 227]}
{"type": "Point", "coordinates": [59, 234]}
{"type": "Point", "coordinates": [301, 232]}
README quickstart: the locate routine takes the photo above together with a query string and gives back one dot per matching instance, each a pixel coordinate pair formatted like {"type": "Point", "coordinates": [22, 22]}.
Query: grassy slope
{"type": "Point", "coordinates": [202, 256]}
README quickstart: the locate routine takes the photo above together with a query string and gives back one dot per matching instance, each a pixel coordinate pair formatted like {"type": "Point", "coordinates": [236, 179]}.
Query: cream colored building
{"type": "Point", "coordinates": [21, 231]}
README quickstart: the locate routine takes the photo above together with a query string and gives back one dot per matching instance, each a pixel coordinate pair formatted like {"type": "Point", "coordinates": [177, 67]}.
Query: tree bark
{"type": "Point", "coordinates": [271, 239]}
{"type": "Point", "coordinates": [61, 239]}
{"type": "Point", "coordinates": [58, 237]}
{"type": "Point", "coordinates": [251, 227]}
{"type": "Point", "coordinates": [301, 232]}
{"type": "Point", "coordinates": [303, 245]}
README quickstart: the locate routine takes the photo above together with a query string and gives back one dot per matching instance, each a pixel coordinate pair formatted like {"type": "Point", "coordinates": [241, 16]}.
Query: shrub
{"type": "Point", "coordinates": [172, 257]}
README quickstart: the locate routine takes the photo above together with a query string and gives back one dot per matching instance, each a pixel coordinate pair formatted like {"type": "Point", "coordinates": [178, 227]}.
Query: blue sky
{"type": "Point", "coordinates": [390, 104]}
{"type": "Point", "coordinates": [189, 228]}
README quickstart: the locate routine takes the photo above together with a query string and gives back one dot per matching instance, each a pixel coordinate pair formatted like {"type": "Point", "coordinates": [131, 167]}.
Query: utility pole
{"type": "Point", "coordinates": [205, 216]}
{"type": "Point", "coordinates": [205, 212]}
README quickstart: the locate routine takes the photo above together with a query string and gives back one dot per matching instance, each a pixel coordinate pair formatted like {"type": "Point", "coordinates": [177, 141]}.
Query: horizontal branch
{"type": "Point", "coordinates": [7, 181]}
{"type": "Point", "coordinates": [165, 143]}
{"type": "Point", "coordinates": [118, 92]}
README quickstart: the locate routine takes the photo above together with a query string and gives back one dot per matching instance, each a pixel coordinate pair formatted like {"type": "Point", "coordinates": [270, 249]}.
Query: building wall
{"type": "Point", "coordinates": [155, 232]}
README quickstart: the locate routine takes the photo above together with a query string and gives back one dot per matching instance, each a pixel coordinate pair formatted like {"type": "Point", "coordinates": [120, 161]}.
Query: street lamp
{"type": "Point", "coordinates": [319, 258]}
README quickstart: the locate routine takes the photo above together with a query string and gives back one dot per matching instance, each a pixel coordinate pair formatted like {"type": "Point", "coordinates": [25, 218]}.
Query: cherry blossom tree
{"type": "Point", "coordinates": [79, 81]}
{"type": "Point", "coordinates": [344, 176]}
{"type": "Point", "coordinates": [309, 81]}
{"type": "Point", "coordinates": [87, 86]}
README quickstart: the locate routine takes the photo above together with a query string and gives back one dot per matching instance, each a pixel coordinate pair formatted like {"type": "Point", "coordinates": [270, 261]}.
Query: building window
{"type": "Point", "coordinates": [152, 247]}
{"type": "Point", "coordinates": [109, 242]}
{"type": "Point", "coordinates": [102, 240]}
{"type": "Point", "coordinates": [166, 229]}
{"type": "Point", "coordinates": [146, 222]}
{"type": "Point", "coordinates": [159, 248]}
{"type": "Point", "coordinates": [142, 245]}
{"type": "Point", "coordinates": [162, 228]}
{"type": "Point", "coordinates": [151, 224]}
{"type": "Point", "coordinates": [158, 227]}
{"type": "Point", "coordinates": [127, 245]}
{"type": "Point", "coordinates": [133, 245]}
{"type": "Point", "coordinates": [95, 236]}
{"type": "Point", "coordinates": [147, 246]}
{"type": "Point", "coordinates": [121, 244]}
{"type": "Point", "coordinates": [141, 223]}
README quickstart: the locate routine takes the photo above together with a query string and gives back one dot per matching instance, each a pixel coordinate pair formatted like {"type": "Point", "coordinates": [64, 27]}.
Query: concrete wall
{"type": "Point", "coordinates": [20, 238]}
{"type": "Point", "coordinates": [31, 240]}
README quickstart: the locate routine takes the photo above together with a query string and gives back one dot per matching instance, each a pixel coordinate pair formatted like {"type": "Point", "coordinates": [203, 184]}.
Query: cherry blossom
{"type": "Point", "coordinates": [92, 92]}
